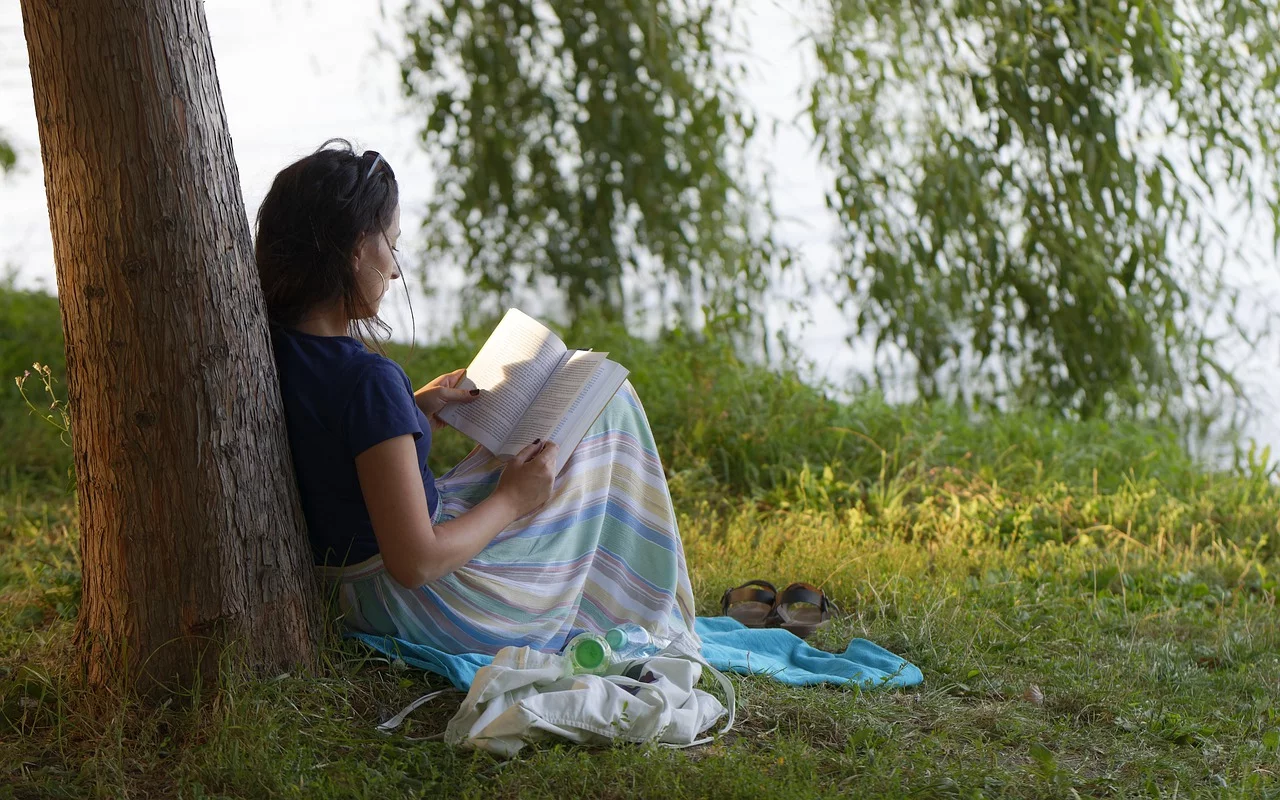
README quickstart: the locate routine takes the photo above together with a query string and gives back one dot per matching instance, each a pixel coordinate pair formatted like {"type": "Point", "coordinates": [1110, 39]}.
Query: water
{"type": "Point", "coordinates": [629, 640]}
{"type": "Point", "coordinates": [296, 72]}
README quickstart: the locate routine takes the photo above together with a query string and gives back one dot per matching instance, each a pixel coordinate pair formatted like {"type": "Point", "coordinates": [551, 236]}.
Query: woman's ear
{"type": "Point", "coordinates": [355, 252]}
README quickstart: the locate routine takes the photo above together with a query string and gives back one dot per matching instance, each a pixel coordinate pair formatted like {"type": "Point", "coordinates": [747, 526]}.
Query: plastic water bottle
{"type": "Point", "coordinates": [587, 654]}
{"type": "Point", "coordinates": [629, 641]}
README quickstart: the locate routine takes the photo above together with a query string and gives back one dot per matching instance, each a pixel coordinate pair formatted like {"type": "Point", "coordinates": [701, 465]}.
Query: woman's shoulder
{"type": "Point", "coordinates": [378, 368]}
{"type": "Point", "coordinates": [334, 360]}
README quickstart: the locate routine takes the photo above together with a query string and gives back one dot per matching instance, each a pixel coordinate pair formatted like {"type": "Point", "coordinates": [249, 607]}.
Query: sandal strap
{"type": "Point", "coordinates": [803, 593]}
{"type": "Point", "coordinates": [756, 591]}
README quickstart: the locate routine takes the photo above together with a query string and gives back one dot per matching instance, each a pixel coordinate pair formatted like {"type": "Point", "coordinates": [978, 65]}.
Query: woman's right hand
{"type": "Point", "coordinates": [528, 477]}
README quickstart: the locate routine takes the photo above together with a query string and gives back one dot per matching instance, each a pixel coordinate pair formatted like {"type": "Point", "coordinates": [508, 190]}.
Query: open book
{"type": "Point", "coordinates": [533, 388]}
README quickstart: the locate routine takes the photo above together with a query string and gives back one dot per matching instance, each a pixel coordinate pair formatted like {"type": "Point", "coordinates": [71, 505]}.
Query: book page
{"type": "Point", "coordinates": [510, 370]}
{"type": "Point", "coordinates": [586, 408]}
{"type": "Point", "coordinates": [556, 399]}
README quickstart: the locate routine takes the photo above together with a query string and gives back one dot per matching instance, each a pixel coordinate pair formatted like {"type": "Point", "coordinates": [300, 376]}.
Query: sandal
{"type": "Point", "coordinates": [751, 603]}
{"type": "Point", "coordinates": [801, 608]}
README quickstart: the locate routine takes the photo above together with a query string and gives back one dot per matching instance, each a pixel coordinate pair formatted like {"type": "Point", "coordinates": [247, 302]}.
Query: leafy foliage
{"type": "Point", "coordinates": [728, 428]}
{"type": "Point", "coordinates": [8, 158]}
{"type": "Point", "coordinates": [31, 331]}
{"type": "Point", "coordinates": [1026, 187]}
{"type": "Point", "coordinates": [588, 143]}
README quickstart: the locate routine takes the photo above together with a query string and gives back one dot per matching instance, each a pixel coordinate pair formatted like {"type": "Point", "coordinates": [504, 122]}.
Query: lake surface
{"type": "Point", "coordinates": [296, 72]}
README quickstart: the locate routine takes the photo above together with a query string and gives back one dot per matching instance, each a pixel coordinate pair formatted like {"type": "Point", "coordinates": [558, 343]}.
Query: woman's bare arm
{"type": "Point", "coordinates": [415, 551]}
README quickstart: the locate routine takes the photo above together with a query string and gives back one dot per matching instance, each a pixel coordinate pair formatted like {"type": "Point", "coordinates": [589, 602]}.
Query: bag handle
{"type": "Point", "coordinates": [675, 650]}
{"type": "Point", "coordinates": [395, 722]}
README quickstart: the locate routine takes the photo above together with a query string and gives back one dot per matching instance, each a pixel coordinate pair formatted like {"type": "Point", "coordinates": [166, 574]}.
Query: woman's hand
{"type": "Point", "coordinates": [528, 477]}
{"type": "Point", "coordinates": [441, 392]}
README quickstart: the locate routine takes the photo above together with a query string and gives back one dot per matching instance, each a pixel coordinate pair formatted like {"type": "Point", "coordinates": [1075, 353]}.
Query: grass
{"type": "Point", "coordinates": [1093, 612]}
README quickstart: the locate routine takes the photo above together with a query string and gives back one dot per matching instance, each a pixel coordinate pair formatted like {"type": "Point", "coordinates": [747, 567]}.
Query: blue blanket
{"type": "Point", "coordinates": [726, 645]}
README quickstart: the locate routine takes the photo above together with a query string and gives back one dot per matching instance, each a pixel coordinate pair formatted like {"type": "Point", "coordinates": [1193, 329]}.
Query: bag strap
{"type": "Point", "coordinates": [732, 706]}
{"type": "Point", "coordinates": [725, 684]}
{"type": "Point", "coordinates": [395, 722]}
{"type": "Point", "coordinates": [730, 695]}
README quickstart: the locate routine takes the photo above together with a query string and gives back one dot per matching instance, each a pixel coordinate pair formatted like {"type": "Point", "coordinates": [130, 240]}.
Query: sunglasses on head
{"type": "Point", "coordinates": [376, 161]}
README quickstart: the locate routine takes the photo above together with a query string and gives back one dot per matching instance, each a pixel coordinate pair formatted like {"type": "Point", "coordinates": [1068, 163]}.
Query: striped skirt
{"type": "Point", "coordinates": [602, 551]}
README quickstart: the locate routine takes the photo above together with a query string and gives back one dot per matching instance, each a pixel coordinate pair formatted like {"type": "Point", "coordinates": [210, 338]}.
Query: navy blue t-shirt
{"type": "Point", "coordinates": [340, 399]}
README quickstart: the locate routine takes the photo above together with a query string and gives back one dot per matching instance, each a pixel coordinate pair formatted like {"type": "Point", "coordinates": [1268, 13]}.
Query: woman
{"type": "Point", "coordinates": [490, 554]}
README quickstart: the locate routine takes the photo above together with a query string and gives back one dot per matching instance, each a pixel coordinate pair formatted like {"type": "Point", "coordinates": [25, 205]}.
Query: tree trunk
{"type": "Point", "coordinates": [193, 545]}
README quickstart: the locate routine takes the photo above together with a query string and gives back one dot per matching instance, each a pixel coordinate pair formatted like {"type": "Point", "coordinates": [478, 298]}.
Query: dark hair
{"type": "Point", "coordinates": [308, 226]}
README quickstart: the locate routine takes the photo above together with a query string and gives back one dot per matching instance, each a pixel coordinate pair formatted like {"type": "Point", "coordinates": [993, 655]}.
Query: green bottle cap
{"type": "Point", "coordinates": [616, 638]}
{"type": "Point", "coordinates": [589, 654]}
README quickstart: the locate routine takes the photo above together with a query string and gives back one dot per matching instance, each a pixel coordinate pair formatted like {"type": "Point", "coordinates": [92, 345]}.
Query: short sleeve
{"type": "Point", "coordinates": [381, 407]}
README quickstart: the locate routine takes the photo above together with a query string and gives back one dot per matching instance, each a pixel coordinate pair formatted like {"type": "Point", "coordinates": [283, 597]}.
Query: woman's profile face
{"type": "Point", "coordinates": [376, 265]}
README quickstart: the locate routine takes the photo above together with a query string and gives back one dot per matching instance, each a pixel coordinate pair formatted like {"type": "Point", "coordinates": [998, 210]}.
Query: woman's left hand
{"type": "Point", "coordinates": [441, 392]}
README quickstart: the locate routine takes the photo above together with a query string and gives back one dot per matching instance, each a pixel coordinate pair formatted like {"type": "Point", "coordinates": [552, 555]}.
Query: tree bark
{"type": "Point", "coordinates": [193, 543]}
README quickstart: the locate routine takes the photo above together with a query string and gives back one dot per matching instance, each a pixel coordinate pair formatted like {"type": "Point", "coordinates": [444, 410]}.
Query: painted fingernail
{"type": "Point", "coordinates": [535, 441]}
{"type": "Point", "coordinates": [475, 392]}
